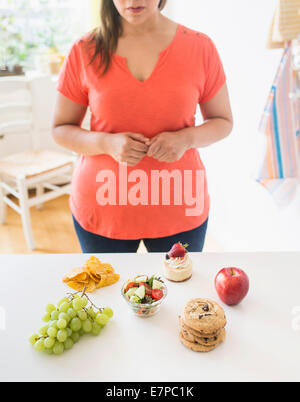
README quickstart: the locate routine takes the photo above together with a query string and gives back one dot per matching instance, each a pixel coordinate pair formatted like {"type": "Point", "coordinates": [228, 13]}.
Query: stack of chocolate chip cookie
{"type": "Point", "coordinates": [202, 325]}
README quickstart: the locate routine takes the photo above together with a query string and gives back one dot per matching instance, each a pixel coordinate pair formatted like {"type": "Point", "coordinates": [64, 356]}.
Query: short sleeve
{"type": "Point", "coordinates": [215, 76]}
{"type": "Point", "coordinates": [70, 80]}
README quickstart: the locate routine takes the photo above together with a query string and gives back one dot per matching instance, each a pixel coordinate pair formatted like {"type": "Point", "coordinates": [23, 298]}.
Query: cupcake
{"type": "Point", "coordinates": [178, 264]}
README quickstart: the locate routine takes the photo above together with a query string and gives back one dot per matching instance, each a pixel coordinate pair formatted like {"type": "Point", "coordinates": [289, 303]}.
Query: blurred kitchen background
{"type": "Point", "coordinates": [35, 35]}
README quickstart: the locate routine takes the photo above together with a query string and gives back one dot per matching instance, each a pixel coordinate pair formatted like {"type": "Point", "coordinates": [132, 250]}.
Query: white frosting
{"type": "Point", "coordinates": [178, 262]}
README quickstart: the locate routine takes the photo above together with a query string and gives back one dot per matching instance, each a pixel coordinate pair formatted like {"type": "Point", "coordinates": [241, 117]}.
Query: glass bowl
{"type": "Point", "coordinates": [145, 309]}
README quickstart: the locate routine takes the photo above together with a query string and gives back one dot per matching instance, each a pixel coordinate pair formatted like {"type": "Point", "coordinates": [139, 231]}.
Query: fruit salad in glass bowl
{"type": "Point", "coordinates": [144, 294]}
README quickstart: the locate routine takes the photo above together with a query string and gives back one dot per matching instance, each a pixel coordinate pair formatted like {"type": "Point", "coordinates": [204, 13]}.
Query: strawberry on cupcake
{"type": "Point", "coordinates": [177, 264]}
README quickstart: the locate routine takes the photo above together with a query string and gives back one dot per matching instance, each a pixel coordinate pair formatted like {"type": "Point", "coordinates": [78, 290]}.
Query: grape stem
{"type": "Point", "coordinates": [71, 297]}
{"type": "Point", "coordinates": [83, 293]}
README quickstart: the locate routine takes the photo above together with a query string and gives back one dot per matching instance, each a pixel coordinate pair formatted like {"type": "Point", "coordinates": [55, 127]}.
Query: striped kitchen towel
{"type": "Point", "coordinates": [280, 124]}
{"type": "Point", "coordinates": [285, 24]}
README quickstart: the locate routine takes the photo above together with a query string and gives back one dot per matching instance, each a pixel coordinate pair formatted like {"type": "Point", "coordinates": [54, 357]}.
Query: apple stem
{"type": "Point", "coordinates": [231, 272]}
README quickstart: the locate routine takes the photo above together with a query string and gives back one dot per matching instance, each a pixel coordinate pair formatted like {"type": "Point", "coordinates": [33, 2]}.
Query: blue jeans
{"type": "Point", "coordinates": [94, 243]}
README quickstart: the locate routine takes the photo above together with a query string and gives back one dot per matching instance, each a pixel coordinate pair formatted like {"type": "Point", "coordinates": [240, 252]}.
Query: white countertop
{"type": "Point", "coordinates": [261, 343]}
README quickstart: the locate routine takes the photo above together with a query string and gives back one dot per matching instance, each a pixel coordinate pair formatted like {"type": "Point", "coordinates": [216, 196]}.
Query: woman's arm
{"type": "Point", "coordinates": [218, 123]}
{"type": "Point", "coordinates": [66, 131]}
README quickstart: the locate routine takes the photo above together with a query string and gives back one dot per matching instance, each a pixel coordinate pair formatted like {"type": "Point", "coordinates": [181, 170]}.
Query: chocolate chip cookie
{"type": "Point", "coordinates": [197, 333]}
{"type": "Point", "coordinates": [204, 315]}
{"type": "Point", "coordinates": [204, 341]}
{"type": "Point", "coordinates": [196, 347]}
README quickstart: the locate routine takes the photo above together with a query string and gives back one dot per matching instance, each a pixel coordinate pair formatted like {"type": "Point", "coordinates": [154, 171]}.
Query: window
{"type": "Point", "coordinates": [31, 27]}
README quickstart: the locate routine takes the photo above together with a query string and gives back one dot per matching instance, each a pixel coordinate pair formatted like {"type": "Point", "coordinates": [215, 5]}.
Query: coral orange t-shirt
{"type": "Point", "coordinates": [152, 199]}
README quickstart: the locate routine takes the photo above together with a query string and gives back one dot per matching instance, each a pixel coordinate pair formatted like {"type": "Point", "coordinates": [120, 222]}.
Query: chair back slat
{"type": "Point", "coordinates": [15, 107]}
{"type": "Point", "coordinates": [12, 84]}
{"type": "Point", "coordinates": [18, 107]}
{"type": "Point", "coordinates": [25, 93]}
{"type": "Point", "coordinates": [15, 127]}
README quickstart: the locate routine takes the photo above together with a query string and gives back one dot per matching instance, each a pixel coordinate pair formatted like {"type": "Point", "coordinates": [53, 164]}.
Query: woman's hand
{"type": "Point", "coordinates": [168, 146]}
{"type": "Point", "coordinates": [127, 147]}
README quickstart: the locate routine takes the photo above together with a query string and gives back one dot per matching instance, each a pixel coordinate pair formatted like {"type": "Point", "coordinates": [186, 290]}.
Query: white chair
{"type": "Point", "coordinates": [33, 168]}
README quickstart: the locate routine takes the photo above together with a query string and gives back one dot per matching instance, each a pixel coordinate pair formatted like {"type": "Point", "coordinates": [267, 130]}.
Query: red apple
{"type": "Point", "coordinates": [232, 285]}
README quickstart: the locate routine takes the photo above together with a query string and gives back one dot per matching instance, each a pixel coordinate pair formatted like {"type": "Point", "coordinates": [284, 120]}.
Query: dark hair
{"type": "Point", "coordinates": [104, 39]}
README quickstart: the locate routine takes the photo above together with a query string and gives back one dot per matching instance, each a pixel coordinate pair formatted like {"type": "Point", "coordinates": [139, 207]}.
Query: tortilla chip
{"type": "Point", "coordinates": [91, 286]}
{"type": "Point", "coordinates": [95, 278]}
{"type": "Point", "coordinates": [93, 275]}
{"type": "Point", "coordinates": [76, 274]}
{"type": "Point", "coordinates": [107, 268]}
{"type": "Point", "coordinates": [79, 286]}
{"type": "Point", "coordinates": [97, 268]}
{"type": "Point", "coordinates": [108, 279]}
{"type": "Point", "coordinates": [92, 266]}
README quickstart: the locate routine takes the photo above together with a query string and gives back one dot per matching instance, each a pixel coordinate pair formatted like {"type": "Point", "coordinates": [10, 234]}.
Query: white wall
{"type": "Point", "coordinates": [243, 215]}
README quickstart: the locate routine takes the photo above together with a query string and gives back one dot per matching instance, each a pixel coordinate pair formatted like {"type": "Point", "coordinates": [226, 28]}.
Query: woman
{"type": "Point", "coordinates": [140, 175]}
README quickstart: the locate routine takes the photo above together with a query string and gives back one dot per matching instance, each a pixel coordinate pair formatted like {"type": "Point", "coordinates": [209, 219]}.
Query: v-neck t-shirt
{"type": "Point", "coordinates": [151, 199]}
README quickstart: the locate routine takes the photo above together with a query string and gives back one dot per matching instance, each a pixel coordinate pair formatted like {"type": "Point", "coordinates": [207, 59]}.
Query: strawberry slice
{"type": "Point", "coordinates": [178, 250]}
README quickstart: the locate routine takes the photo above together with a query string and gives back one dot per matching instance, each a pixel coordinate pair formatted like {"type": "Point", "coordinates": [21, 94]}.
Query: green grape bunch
{"type": "Point", "coordinates": [74, 316]}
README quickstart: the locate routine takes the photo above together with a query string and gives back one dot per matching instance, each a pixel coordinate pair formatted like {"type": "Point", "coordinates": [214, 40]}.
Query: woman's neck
{"type": "Point", "coordinates": [152, 25]}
